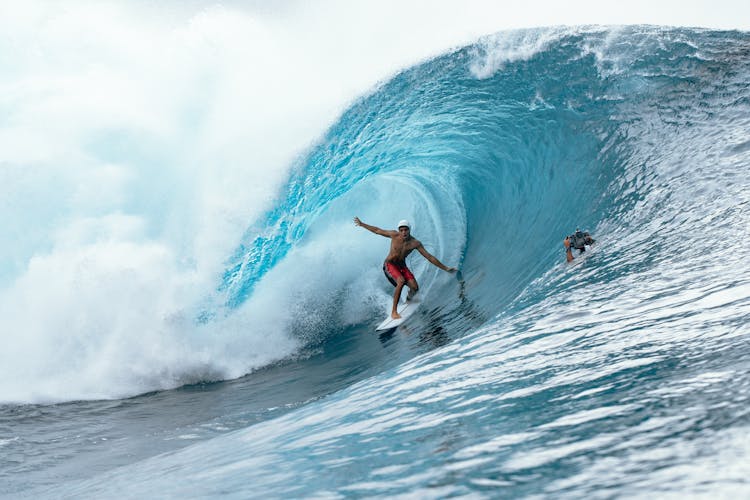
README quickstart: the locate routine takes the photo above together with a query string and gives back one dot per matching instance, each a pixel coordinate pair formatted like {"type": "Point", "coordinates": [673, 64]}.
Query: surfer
{"type": "Point", "coordinates": [577, 240]}
{"type": "Point", "coordinates": [394, 267]}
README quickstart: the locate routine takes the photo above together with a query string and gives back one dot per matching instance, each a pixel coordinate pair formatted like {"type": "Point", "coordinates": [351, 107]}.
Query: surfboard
{"type": "Point", "coordinates": [405, 309]}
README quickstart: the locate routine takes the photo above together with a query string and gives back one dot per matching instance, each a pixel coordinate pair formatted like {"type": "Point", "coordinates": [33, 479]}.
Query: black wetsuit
{"type": "Point", "coordinates": [580, 239]}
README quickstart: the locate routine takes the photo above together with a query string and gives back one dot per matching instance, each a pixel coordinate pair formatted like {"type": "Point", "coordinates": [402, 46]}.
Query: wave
{"type": "Point", "coordinates": [495, 151]}
{"type": "Point", "coordinates": [623, 371]}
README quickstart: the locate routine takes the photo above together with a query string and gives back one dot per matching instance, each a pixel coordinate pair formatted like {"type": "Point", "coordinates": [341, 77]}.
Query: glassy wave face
{"type": "Point", "coordinates": [623, 372]}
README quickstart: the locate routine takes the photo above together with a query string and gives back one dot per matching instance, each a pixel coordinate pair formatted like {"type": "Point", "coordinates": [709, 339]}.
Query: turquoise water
{"type": "Point", "coordinates": [623, 373]}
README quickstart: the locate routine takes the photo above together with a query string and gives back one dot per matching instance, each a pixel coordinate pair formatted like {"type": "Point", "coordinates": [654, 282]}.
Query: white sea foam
{"type": "Point", "coordinates": [494, 52]}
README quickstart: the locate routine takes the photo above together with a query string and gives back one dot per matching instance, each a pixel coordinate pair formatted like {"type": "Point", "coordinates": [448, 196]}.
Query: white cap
{"type": "Point", "coordinates": [404, 222]}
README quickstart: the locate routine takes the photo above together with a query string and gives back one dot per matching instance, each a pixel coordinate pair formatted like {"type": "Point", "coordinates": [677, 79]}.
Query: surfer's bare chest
{"type": "Point", "coordinates": [400, 248]}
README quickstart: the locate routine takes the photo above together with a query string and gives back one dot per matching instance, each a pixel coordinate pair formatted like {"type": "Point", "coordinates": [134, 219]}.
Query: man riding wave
{"type": "Point", "coordinates": [394, 267]}
{"type": "Point", "coordinates": [577, 240]}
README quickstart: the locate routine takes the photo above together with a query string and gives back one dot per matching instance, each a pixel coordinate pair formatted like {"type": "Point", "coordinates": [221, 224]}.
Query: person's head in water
{"type": "Point", "coordinates": [404, 228]}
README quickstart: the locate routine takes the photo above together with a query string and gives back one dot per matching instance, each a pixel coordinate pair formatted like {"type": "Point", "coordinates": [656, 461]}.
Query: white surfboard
{"type": "Point", "coordinates": [405, 309]}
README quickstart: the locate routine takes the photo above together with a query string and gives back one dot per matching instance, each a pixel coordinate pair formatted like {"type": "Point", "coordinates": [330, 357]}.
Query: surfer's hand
{"type": "Point", "coordinates": [451, 270]}
{"type": "Point", "coordinates": [357, 222]}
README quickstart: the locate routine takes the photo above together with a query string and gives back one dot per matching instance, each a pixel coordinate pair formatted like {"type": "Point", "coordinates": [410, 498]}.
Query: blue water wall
{"type": "Point", "coordinates": [495, 167]}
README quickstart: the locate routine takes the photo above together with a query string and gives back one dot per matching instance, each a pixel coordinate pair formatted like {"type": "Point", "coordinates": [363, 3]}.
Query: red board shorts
{"type": "Point", "coordinates": [394, 271]}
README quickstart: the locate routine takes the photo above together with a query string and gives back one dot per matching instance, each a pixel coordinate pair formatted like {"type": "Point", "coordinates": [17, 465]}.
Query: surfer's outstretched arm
{"type": "Point", "coordinates": [374, 229]}
{"type": "Point", "coordinates": [433, 260]}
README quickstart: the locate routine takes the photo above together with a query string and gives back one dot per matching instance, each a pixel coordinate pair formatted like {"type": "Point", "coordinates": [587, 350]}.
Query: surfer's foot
{"type": "Point", "coordinates": [410, 295]}
{"type": "Point", "coordinates": [395, 315]}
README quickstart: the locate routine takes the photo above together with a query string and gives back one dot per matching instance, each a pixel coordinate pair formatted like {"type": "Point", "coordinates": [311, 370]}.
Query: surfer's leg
{"type": "Point", "coordinates": [396, 297]}
{"type": "Point", "coordinates": [411, 282]}
{"type": "Point", "coordinates": [413, 289]}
